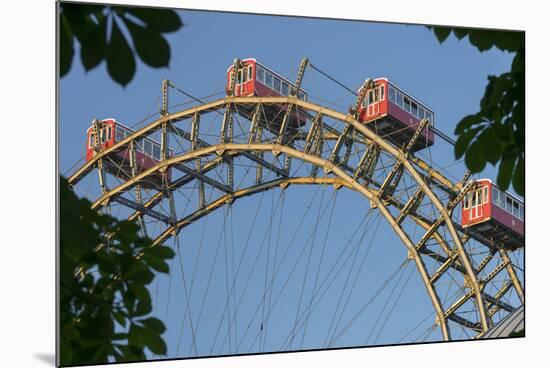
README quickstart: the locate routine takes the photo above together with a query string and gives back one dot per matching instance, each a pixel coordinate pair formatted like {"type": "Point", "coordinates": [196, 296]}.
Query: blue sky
{"type": "Point", "coordinates": [450, 78]}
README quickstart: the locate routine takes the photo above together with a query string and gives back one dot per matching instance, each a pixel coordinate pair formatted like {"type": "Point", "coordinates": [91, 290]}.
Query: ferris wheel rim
{"type": "Point", "coordinates": [344, 179]}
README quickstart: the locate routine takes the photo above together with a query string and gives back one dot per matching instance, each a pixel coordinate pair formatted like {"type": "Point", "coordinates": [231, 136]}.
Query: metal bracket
{"type": "Point", "coordinates": [259, 167]}
{"type": "Point", "coordinates": [392, 180]}
{"type": "Point", "coordinates": [367, 163]}
{"type": "Point", "coordinates": [362, 93]}
{"type": "Point", "coordinates": [416, 135]}
{"type": "Point", "coordinates": [341, 139]}
{"type": "Point", "coordinates": [441, 218]}
{"type": "Point", "coordinates": [164, 108]}
{"type": "Point", "coordinates": [312, 134]}
{"type": "Point", "coordinates": [195, 128]}
{"type": "Point", "coordinates": [411, 205]}
{"type": "Point", "coordinates": [293, 92]}
{"type": "Point", "coordinates": [254, 124]}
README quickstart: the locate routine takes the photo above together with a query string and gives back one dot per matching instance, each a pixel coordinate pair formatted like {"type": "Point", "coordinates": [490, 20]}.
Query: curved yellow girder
{"type": "Point", "coordinates": [409, 163]}
{"type": "Point", "coordinates": [352, 183]}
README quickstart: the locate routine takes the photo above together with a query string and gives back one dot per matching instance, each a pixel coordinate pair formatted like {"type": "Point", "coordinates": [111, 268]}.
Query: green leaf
{"type": "Point", "coordinates": [146, 337]}
{"type": "Point", "coordinates": [121, 64]}
{"type": "Point", "coordinates": [441, 33]}
{"type": "Point", "coordinates": [120, 336]}
{"type": "Point", "coordinates": [161, 20]}
{"type": "Point", "coordinates": [503, 131]}
{"type": "Point", "coordinates": [154, 324]}
{"type": "Point", "coordinates": [128, 353]}
{"type": "Point", "coordinates": [89, 355]}
{"type": "Point", "coordinates": [155, 343]}
{"type": "Point", "coordinates": [467, 122]}
{"type": "Point", "coordinates": [495, 91]}
{"type": "Point", "coordinates": [139, 290]}
{"type": "Point", "coordinates": [126, 260]}
{"type": "Point", "coordinates": [88, 308]}
{"type": "Point", "coordinates": [135, 336]}
{"type": "Point", "coordinates": [66, 46]}
{"type": "Point", "coordinates": [473, 158]}
{"type": "Point", "coordinates": [129, 300]}
{"type": "Point", "coordinates": [518, 116]}
{"type": "Point", "coordinates": [157, 264]}
{"type": "Point", "coordinates": [519, 177]}
{"type": "Point", "coordinates": [519, 138]}
{"type": "Point", "coordinates": [120, 318]}
{"type": "Point", "coordinates": [151, 47]}
{"type": "Point", "coordinates": [93, 47]}
{"type": "Point", "coordinates": [518, 64]}
{"type": "Point", "coordinates": [464, 141]}
{"type": "Point", "coordinates": [502, 110]}
{"type": "Point", "coordinates": [98, 329]}
{"type": "Point", "coordinates": [127, 231]}
{"type": "Point", "coordinates": [460, 33]}
{"type": "Point", "coordinates": [143, 307]}
{"type": "Point", "coordinates": [78, 17]}
{"type": "Point", "coordinates": [520, 333]}
{"type": "Point", "coordinates": [481, 39]}
{"type": "Point", "coordinates": [505, 171]}
{"type": "Point", "coordinates": [507, 102]}
{"type": "Point", "coordinates": [510, 40]}
{"type": "Point", "coordinates": [492, 146]}
{"type": "Point", "coordinates": [160, 251]}
{"type": "Point", "coordinates": [106, 262]}
{"type": "Point", "coordinates": [65, 352]}
{"type": "Point", "coordinates": [143, 277]}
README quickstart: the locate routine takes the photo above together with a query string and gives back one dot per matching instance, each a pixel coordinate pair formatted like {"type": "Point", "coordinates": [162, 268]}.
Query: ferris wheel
{"type": "Point", "coordinates": [297, 226]}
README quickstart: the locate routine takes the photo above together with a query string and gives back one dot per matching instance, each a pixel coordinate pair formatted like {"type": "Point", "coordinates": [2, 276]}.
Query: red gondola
{"type": "Point", "coordinates": [147, 151]}
{"type": "Point", "coordinates": [256, 79]}
{"type": "Point", "coordinates": [395, 114]}
{"type": "Point", "coordinates": [499, 216]}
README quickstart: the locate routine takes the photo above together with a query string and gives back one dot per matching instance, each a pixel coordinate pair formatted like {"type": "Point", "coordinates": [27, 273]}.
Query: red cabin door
{"type": "Point", "coordinates": [476, 211]}
{"type": "Point", "coordinates": [239, 81]}
{"type": "Point", "coordinates": [374, 102]}
{"type": "Point", "coordinates": [243, 76]}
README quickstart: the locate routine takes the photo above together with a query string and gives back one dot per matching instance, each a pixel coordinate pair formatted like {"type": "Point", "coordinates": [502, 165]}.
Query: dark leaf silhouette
{"type": "Point", "coordinates": [151, 47]}
{"type": "Point", "coordinates": [89, 24]}
{"type": "Point", "coordinates": [496, 133]}
{"type": "Point", "coordinates": [161, 20]}
{"type": "Point", "coordinates": [95, 323]}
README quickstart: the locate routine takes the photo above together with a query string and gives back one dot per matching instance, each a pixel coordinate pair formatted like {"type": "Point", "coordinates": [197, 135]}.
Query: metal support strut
{"type": "Point", "coordinates": [293, 93]}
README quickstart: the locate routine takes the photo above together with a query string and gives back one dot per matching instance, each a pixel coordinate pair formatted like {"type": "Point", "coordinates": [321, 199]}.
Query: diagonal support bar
{"type": "Point", "coordinates": [362, 93]}
{"type": "Point", "coordinates": [203, 144]}
{"type": "Point", "coordinates": [204, 178]}
{"type": "Point", "coordinates": [254, 124]}
{"type": "Point", "coordinates": [443, 268]}
{"type": "Point", "coordinates": [341, 139]}
{"type": "Point", "coordinates": [301, 71]}
{"type": "Point", "coordinates": [143, 210]}
{"type": "Point", "coordinates": [411, 205]}
{"type": "Point", "coordinates": [416, 135]}
{"type": "Point", "coordinates": [367, 163]}
{"type": "Point", "coordinates": [513, 275]}
{"type": "Point", "coordinates": [290, 107]}
{"type": "Point", "coordinates": [312, 134]}
{"type": "Point", "coordinates": [466, 323]}
{"type": "Point", "coordinates": [392, 180]}
{"type": "Point", "coordinates": [441, 218]}
{"type": "Point", "coordinates": [195, 129]}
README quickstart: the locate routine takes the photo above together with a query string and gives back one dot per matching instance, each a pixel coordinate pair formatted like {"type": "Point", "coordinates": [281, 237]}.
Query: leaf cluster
{"type": "Point", "coordinates": [104, 300]}
{"type": "Point", "coordinates": [496, 133]}
{"type": "Point", "coordinates": [520, 333]}
{"type": "Point", "coordinates": [115, 34]}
